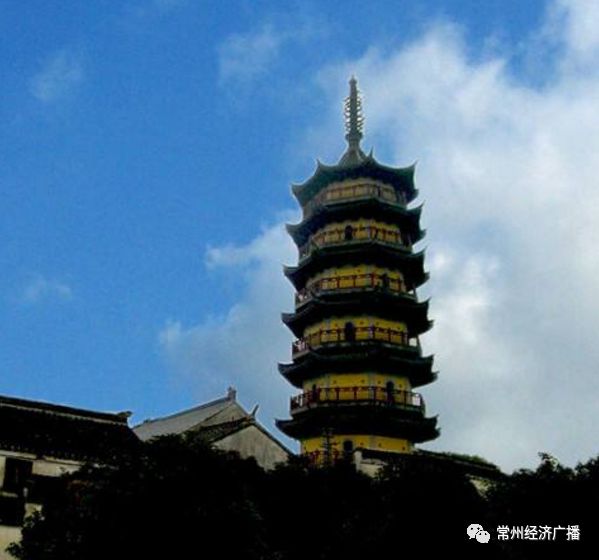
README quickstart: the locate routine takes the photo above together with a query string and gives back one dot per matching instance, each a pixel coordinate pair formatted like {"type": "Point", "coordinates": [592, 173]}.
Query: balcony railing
{"type": "Point", "coordinates": [351, 234]}
{"type": "Point", "coordinates": [362, 395]}
{"type": "Point", "coordinates": [359, 191]}
{"type": "Point", "coordinates": [367, 281]}
{"type": "Point", "coordinates": [352, 335]}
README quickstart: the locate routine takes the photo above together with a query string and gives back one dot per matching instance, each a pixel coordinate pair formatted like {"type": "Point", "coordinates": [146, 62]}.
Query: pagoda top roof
{"type": "Point", "coordinates": [354, 163]}
{"type": "Point", "coordinates": [356, 166]}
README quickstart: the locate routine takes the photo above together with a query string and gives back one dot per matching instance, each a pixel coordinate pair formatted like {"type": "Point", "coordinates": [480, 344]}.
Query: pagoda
{"type": "Point", "coordinates": [357, 318]}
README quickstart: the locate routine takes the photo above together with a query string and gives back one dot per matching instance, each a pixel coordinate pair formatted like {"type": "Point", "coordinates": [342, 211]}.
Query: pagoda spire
{"type": "Point", "coordinates": [354, 120]}
{"type": "Point", "coordinates": [354, 124]}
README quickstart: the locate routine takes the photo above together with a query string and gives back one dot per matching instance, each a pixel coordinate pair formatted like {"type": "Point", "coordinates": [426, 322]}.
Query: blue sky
{"type": "Point", "coordinates": [147, 151]}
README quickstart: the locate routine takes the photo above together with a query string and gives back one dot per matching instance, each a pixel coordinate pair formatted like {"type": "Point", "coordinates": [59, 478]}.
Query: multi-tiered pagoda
{"type": "Point", "coordinates": [357, 318]}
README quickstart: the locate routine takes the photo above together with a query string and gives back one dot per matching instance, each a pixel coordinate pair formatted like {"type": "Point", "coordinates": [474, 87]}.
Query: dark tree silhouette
{"type": "Point", "coordinates": [176, 498]}
{"type": "Point", "coordinates": [172, 497]}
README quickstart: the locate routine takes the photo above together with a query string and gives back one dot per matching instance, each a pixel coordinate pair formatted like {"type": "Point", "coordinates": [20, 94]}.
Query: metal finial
{"type": "Point", "coordinates": [354, 120]}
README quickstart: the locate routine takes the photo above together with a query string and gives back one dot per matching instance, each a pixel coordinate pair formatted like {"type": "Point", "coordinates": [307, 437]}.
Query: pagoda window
{"type": "Point", "coordinates": [348, 232]}
{"type": "Point", "coordinates": [349, 332]}
{"type": "Point", "coordinates": [348, 447]}
{"type": "Point", "coordinates": [390, 389]}
{"type": "Point", "coordinates": [315, 393]}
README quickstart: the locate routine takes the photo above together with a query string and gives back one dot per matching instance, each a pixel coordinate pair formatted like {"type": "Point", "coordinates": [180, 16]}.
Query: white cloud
{"type": "Point", "coordinates": [246, 56]}
{"type": "Point", "coordinates": [575, 23]}
{"type": "Point", "coordinates": [242, 347]}
{"type": "Point", "coordinates": [509, 173]}
{"type": "Point", "coordinates": [40, 289]}
{"type": "Point", "coordinates": [58, 77]}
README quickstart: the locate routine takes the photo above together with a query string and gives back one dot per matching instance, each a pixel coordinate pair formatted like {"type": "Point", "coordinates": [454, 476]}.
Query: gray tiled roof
{"type": "Point", "coordinates": [222, 410]}
{"type": "Point", "coordinates": [47, 429]}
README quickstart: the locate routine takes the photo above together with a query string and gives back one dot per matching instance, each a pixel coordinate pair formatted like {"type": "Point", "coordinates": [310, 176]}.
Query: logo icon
{"type": "Point", "coordinates": [476, 531]}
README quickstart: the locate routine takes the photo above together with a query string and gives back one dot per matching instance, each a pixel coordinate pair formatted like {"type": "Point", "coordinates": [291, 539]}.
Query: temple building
{"type": "Point", "coordinates": [357, 318]}
{"type": "Point", "coordinates": [224, 424]}
{"type": "Point", "coordinates": [41, 441]}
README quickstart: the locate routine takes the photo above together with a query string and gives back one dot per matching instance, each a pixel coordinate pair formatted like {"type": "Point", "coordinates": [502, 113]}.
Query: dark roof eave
{"type": "Point", "coordinates": [325, 174]}
{"type": "Point", "coordinates": [312, 364]}
{"type": "Point", "coordinates": [42, 406]}
{"type": "Point", "coordinates": [297, 274]}
{"type": "Point", "coordinates": [310, 223]}
{"type": "Point", "coordinates": [418, 430]}
{"type": "Point", "coordinates": [414, 313]}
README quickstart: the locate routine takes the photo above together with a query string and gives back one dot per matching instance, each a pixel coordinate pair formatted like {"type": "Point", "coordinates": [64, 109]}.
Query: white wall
{"type": "Point", "coordinates": [252, 442]}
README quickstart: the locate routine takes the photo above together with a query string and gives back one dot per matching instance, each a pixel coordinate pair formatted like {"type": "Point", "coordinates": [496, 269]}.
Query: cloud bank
{"type": "Point", "coordinates": [509, 174]}
{"type": "Point", "coordinates": [242, 347]}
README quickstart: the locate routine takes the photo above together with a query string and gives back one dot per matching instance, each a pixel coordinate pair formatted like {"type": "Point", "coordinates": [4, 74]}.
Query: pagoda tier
{"type": "Point", "coordinates": [359, 253]}
{"type": "Point", "coordinates": [357, 317]}
{"type": "Point", "coordinates": [387, 305]}
{"type": "Point", "coordinates": [401, 179]}
{"type": "Point", "coordinates": [407, 219]}
{"type": "Point", "coordinates": [380, 417]}
{"type": "Point", "coordinates": [385, 359]}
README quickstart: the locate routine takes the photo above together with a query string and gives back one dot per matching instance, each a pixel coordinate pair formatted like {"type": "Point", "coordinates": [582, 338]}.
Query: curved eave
{"type": "Point", "coordinates": [401, 178]}
{"type": "Point", "coordinates": [408, 219]}
{"type": "Point", "coordinates": [367, 420]}
{"type": "Point", "coordinates": [419, 370]}
{"type": "Point", "coordinates": [386, 306]}
{"type": "Point", "coordinates": [410, 264]}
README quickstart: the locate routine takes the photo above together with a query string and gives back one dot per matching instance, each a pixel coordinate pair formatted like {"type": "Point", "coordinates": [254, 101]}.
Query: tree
{"type": "Point", "coordinates": [549, 496]}
{"type": "Point", "coordinates": [172, 496]}
{"type": "Point", "coordinates": [175, 497]}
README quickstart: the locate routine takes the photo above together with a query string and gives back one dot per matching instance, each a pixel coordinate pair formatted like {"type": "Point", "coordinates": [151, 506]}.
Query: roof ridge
{"type": "Point", "coordinates": [189, 410]}
{"type": "Point", "coordinates": [237, 421]}
{"type": "Point", "coordinates": [219, 411]}
{"type": "Point", "coordinates": [45, 407]}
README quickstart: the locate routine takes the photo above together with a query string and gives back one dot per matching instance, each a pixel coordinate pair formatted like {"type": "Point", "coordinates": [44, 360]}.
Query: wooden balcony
{"type": "Point", "coordinates": [350, 234]}
{"type": "Point", "coordinates": [373, 395]}
{"type": "Point", "coordinates": [348, 193]}
{"type": "Point", "coordinates": [353, 336]}
{"type": "Point", "coordinates": [351, 282]}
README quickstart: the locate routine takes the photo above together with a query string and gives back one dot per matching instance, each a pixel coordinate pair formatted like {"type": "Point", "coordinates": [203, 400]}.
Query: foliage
{"type": "Point", "coordinates": [465, 457]}
{"type": "Point", "coordinates": [176, 498]}
{"type": "Point", "coordinates": [552, 495]}
{"type": "Point", "coordinates": [152, 504]}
